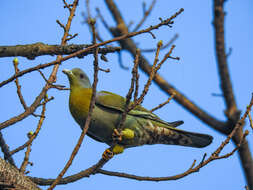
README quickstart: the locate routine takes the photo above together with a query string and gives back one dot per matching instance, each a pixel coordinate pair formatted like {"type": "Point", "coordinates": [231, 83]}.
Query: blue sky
{"type": "Point", "coordinates": [26, 22]}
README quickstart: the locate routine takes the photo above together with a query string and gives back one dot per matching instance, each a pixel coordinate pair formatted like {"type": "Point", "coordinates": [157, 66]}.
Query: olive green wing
{"type": "Point", "coordinates": [117, 103]}
{"type": "Point", "coordinates": [114, 101]}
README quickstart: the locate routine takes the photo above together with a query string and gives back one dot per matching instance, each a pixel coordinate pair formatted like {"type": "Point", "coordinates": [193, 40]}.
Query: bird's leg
{"type": "Point", "coordinates": [125, 133]}
{"type": "Point", "coordinates": [116, 135]}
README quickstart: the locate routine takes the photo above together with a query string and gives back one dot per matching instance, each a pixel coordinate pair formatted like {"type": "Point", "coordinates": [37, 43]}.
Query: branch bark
{"type": "Point", "coordinates": [225, 80]}
{"type": "Point", "coordinates": [10, 175]}
{"type": "Point", "coordinates": [31, 51]}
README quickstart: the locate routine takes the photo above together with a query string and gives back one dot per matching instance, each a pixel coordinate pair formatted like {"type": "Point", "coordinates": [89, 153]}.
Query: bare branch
{"type": "Point", "coordinates": [21, 98]}
{"type": "Point", "coordinates": [146, 14]}
{"type": "Point", "coordinates": [226, 84]}
{"type": "Point", "coordinates": [250, 120]}
{"type": "Point", "coordinates": [26, 158]}
{"type": "Point", "coordinates": [169, 43]}
{"type": "Point", "coordinates": [31, 51]}
{"type": "Point", "coordinates": [163, 104]}
{"type": "Point", "coordinates": [155, 67]}
{"type": "Point", "coordinates": [35, 134]}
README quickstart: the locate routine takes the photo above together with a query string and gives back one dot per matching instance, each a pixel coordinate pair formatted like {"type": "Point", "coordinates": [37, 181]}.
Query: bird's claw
{"type": "Point", "coordinates": [108, 154]}
{"type": "Point", "coordinates": [116, 135]}
{"type": "Point", "coordinates": [124, 134]}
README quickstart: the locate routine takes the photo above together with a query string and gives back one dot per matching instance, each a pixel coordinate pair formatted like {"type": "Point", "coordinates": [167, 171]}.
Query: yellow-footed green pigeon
{"type": "Point", "coordinates": [141, 127]}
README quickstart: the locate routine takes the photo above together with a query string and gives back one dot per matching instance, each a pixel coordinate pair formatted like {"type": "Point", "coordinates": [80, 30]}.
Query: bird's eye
{"type": "Point", "coordinates": [81, 76]}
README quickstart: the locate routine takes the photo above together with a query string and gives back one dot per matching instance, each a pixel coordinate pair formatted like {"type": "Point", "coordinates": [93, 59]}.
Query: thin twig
{"type": "Point", "coordinates": [164, 103]}
{"type": "Point", "coordinates": [102, 19]}
{"type": "Point", "coordinates": [71, 37]}
{"type": "Point", "coordinates": [155, 67]}
{"type": "Point", "coordinates": [61, 25]}
{"type": "Point", "coordinates": [20, 96]}
{"type": "Point", "coordinates": [35, 134]}
{"type": "Point", "coordinates": [87, 3]}
{"type": "Point", "coordinates": [169, 43]}
{"type": "Point", "coordinates": [250, 120]}
{"type": "Point", "coordinates": [133, 86]}
{"type": "Point", "coordinates": [26, 159]}
{"type": "Point", "coordinates": [58, 87]}
{"type": "Point", "coordinates": [236, 148]}
{"type": "Point", "coordinates": [136, 74]}
{"type": "Point", "coordinates": [130, 91]}
{"type": "Point", "coordinates": [67, 5]}
{"type": "Point", "coordinates": [146, 14]}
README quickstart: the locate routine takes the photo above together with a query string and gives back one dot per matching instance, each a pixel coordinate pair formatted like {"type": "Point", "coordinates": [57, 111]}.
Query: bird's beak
{"type": "Point", "coordinates": [67, 72]}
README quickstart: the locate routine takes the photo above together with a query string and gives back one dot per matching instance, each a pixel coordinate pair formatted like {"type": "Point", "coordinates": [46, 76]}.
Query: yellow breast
{"type": "Point", "coordinates": [79, 102]}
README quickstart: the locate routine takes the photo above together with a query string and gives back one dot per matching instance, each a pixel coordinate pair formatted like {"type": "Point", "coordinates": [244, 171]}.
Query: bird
{"type": "Point", "coordinates": [141, 127]}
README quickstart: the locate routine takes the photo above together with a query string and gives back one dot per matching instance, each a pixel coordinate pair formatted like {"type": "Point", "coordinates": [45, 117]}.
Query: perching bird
{"type": "Point", "coordinates": [141, 126]}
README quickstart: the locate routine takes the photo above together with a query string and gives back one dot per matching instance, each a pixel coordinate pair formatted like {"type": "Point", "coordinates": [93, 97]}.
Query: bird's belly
{"type": "Point", "coordinates": [104, 121]}
{"type": "Point", "coordinates": [102, 124]}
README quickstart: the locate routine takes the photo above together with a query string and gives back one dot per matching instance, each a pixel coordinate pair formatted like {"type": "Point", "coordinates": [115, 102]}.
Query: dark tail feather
{"type": "Point", "coordinates": [198, 140]}
{"type": "Point", "coordinates": [182, 138]}
{"type": "Point", "coordinates": [175, 123]}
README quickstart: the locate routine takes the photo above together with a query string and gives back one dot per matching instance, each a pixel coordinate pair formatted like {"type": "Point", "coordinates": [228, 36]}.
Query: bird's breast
{"type": "Point", "coordinates": [79, 102]}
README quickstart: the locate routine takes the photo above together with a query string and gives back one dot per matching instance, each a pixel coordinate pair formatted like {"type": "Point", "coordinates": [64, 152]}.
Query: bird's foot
{"type": "Point", "coordinates": [116, 135]}
{"type": "Point", "coordinates": [126, 134]}
{"type": "Point", "coordinates": [117, 149]}
{"type": "Point", "coordinates": [107, 154]}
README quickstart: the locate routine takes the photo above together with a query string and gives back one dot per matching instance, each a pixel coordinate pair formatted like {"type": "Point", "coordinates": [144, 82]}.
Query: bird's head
{"type": "Point", "coordinates": [77, 78]}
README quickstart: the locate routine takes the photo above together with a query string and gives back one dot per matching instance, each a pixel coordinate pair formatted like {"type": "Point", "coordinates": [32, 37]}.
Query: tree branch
{"type": "Point", "coordinates": [146, 14]}
{"type": "Point", "coordinates": [31, 51]}
{"type": "Point", "coordinates": [10, 175]}
{"type": "Point", "coordinates": [226, 84]}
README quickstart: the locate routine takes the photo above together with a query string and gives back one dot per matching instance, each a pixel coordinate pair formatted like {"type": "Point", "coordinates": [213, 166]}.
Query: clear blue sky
{"type": "Point", "coordinates": [26, 22]}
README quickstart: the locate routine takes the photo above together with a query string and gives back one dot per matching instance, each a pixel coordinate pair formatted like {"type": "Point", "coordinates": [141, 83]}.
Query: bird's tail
{"type": "Point", "coordinates": [166, 135]}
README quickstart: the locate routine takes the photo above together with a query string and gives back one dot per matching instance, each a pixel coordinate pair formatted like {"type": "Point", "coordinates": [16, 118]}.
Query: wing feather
{"type": "Point", "coordinates": [117, 103]}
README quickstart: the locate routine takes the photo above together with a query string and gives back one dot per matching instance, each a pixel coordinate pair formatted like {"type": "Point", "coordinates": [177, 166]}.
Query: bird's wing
{"type": "Point", "coordinates": [117, 103]}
